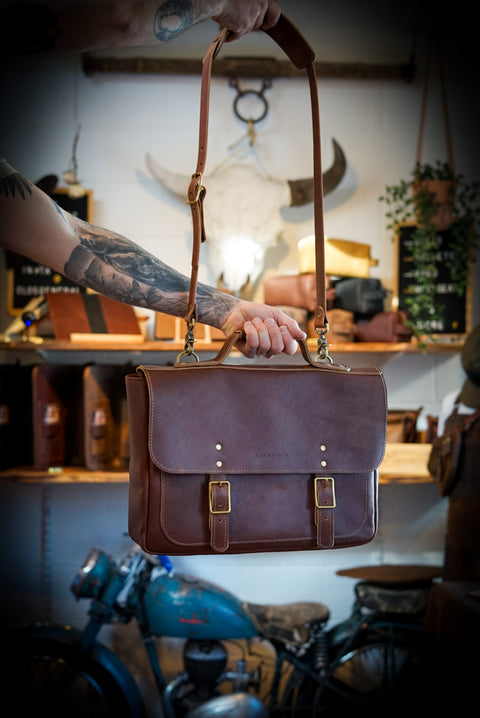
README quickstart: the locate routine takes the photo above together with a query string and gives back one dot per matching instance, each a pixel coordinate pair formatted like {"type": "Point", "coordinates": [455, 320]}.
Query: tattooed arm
{"type": "Point", "coordinates": [81, 25]}
{"type": "Point", "coordinates": [35, 226]}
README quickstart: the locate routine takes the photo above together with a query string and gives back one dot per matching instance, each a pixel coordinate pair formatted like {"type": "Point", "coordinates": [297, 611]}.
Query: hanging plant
{"type": "Point", "coordinates": [434, 199]}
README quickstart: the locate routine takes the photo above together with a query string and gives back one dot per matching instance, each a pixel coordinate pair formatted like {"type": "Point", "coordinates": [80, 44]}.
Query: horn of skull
{"type": "Point", "coordinates": [242, 213]}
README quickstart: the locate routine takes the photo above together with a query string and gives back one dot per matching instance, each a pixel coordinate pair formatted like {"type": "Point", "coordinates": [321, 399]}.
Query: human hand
{"type": "Point", "coordinates": [247, 15]}
{"type": "Point", "coordinates": [266, 330]}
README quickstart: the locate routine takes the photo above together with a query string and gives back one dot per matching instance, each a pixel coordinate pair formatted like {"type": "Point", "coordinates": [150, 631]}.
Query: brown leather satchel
{"type": "Point", "coordinates": [229, 458]}
{"type": "Point", "coordinates": [445, 455]}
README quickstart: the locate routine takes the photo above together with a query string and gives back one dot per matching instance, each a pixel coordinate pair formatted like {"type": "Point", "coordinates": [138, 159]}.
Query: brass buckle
{"type": "Point", "coordinates": [229, 506]}
{"type": "Point", "coordinates": [200, 188]}
{"type": "Point", "coordinates": [325, 506]}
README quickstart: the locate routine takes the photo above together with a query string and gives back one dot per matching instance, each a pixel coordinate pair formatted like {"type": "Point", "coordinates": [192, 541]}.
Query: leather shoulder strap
{"type": "Point", "coordinates": [292, 42]}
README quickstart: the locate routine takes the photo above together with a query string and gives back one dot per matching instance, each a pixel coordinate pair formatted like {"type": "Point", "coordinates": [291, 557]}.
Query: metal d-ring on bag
{"type": "Point", "coordinates": [243, 458]}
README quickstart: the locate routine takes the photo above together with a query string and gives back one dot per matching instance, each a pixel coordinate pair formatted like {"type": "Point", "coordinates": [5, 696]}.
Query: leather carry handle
{"type": "Point", "coordinates": [292, 42]}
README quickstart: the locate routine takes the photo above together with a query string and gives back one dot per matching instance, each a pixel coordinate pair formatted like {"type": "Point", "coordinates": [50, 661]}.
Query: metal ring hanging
{"type": "Point", "coordinates": [266, 84]}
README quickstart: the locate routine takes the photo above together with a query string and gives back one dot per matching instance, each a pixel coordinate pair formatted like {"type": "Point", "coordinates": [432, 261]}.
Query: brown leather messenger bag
{"type": "Point", "coordinates": [243, 458]}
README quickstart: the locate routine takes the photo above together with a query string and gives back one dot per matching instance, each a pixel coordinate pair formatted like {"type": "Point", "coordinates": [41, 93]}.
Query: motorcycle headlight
{"type": "Point", "coordinates": [94, 575]}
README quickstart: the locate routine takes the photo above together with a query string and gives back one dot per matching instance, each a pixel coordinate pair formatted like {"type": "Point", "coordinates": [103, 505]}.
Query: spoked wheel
{"type": "Point", "coordinates": [376, 678]}
{"type": "Point", "coordinates": [48, 675]}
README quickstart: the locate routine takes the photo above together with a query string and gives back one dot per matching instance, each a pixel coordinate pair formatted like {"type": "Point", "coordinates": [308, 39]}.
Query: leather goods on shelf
{"type": "Point", "coordinates": [57, 416]}
{"type": "Point", "coordinates": [343, 258]}
{"type": "Point", "coordinates": [445, 455]}
{"type": "Point", "coordinates": [106, 431]}
{"type": "Point", "coordinates": [293, 290]}
{"type": "Point", "coordinates": [385, 327]}
{"type": "Point", "coordinates": [15, 415]}
{"type": "Point", "coordinates": [341, 327]}
{"type": "Point", "coordinates": [360, 296]}
{"type": "Point", "coordinates": [91, 314]}
{"type": "Point", "coordinates": [243, 458]}
{"type": "Point", "coordinates": [299, 314]}
{"type": "Point", "coordinates": [402, 425]}
{"type": "Point", "coordinates": [169, 328]}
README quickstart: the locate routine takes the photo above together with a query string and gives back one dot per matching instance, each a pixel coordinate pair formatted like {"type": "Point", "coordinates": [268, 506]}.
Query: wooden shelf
{"type": "Point", "coordinates": [171, 346]}
{"type": "Point", "coordinates": [402, 464]}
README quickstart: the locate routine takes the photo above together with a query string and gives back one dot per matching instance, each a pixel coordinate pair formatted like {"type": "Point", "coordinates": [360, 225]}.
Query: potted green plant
{"type": "Point", "coordinates": [434, 199]}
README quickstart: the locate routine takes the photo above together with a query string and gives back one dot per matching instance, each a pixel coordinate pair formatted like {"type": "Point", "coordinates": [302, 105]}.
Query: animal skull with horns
{"type": "Point", "coordinates": [242, 213]}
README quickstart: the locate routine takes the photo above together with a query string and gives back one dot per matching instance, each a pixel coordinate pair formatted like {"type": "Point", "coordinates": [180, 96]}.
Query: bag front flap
{"type": "Point", "coordinates": [248, 419]}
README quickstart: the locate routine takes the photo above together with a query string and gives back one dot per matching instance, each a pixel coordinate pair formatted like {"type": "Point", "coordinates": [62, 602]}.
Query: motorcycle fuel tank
{"type": "Point", "coordinates": [184, 606]}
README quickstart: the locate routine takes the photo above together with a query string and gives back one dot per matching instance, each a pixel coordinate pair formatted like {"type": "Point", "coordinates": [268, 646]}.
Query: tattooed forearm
{"type": "Point", "coordinates": [213, 305]}
{"type": "Point", "coordinates": [172, 18]}
{"type": "Point", "coordinates": [115, 266]}
{"type": "Point", "coordinates": [13, 184]}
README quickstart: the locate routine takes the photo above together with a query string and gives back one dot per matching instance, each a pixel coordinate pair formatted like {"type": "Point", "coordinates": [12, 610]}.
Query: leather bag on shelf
{"type": "Point", "coordinates": [57, 416]}
{"type": "Point", "coordinates": [402, 425]}
{"type": "Point", "coordinates": [343, 258]}
{"type": "Point", "coordinates": [388, 327]}
{"type": "Point", "coordinates": [293, 290]}
{"type": "Point", "coordinates": [106, 430]}
{"type": "Point", "coordinates": [445, 455]}
{"type": "Point", "coordinates": [363, 297]}
{"type": "Point", "coordinates": [245, 458]}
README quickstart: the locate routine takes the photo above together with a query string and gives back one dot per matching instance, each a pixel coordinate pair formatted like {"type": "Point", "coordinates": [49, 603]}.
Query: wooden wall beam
{"type": "Point", "coordinates": [247, 67]}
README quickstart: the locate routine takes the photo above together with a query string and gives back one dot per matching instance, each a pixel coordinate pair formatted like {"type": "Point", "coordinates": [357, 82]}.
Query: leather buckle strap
{"type": "Point", "coordinates": [219, 506]}
{"type": "Point", "coordinates": [324, 493]}
{"type": "Point", "coordinates": [292, 42]}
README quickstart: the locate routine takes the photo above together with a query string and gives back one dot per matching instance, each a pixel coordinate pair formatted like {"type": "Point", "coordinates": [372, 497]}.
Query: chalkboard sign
{"type": "Point", "coordinates": [81, 207]}
{"type": "Point", "coordinates": [27, 279]}
{"type": "Point", "coordinates": [456, 313]}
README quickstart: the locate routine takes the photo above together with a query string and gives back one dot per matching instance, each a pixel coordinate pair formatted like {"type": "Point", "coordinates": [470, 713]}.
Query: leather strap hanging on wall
{"type": "Point", "coordinates": [434, 43]}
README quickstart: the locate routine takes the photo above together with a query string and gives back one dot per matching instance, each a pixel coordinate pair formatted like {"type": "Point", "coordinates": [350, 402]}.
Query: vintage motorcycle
{"type": "Point", "coordinates": [367, 660]}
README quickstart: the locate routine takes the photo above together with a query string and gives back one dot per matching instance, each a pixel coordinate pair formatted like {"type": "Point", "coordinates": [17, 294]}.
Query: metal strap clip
{"type": "Point", "coordinates": [322, 346]}
{"type": "Point", "coordinates": [188, 350]}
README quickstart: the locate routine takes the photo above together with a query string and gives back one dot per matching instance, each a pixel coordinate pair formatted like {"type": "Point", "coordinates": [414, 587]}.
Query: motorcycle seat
{"type": "Point", "coordinates": [289, 622]}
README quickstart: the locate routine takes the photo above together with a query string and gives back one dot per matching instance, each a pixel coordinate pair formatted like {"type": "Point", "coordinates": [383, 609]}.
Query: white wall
{"type": "Point", "coordinates": [122, 118]}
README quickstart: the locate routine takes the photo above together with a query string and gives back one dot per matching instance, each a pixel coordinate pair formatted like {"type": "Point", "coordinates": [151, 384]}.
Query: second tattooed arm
{"type": "Point", "coordinates": [82, 25]}
{"type": "Point", "coordinates": [35, 226]}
